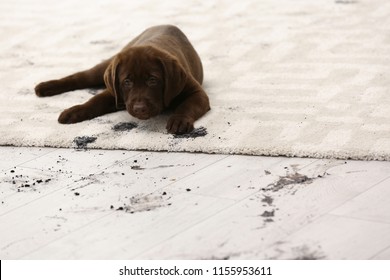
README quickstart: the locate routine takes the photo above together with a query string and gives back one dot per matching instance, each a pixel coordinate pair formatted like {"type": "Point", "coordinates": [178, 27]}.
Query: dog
{"type": "Point", "coordinates": [157, 71]}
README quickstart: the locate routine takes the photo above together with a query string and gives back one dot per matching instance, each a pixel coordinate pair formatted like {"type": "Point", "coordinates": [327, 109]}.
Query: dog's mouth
{"type": "Point", "coordinates": [142, 110]}
{"type": "Point", "coordinates": [142, 117]}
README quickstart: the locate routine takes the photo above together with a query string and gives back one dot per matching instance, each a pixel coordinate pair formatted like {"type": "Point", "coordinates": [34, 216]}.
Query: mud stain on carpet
{"type": "Point", "coordinates": [124, 126]}
{"type": "Point", "coordinates": [83, 141]}
{"type": "Point", "coordinates": [197, 132]}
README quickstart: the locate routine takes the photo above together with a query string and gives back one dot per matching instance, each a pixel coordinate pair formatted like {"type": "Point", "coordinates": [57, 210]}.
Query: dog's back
{"type": "Point", "coordinates": [172, 40]}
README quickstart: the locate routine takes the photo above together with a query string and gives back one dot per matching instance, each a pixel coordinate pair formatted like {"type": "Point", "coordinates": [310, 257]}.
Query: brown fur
{"type": "Point", "coordinates": [158, 70]}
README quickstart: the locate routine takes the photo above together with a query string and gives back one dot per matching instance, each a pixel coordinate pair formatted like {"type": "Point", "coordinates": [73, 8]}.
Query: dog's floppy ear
{"type": "Point", "coordinates": [175, 78]}
{"type": "Point", "coordinates": [112, 82]}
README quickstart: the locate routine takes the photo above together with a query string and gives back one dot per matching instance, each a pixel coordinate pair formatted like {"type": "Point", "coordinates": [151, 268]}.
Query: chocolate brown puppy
{"type": "Point", "coordinates": [159, 70]}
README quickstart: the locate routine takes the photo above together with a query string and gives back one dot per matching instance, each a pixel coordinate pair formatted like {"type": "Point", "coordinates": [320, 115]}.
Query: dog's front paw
{"type": "Point", "coordinates": [180, 124]}
{"type": "Point", "coordinates": [49, 88]}
{"type": "Point", "coordinates": [74, 114]}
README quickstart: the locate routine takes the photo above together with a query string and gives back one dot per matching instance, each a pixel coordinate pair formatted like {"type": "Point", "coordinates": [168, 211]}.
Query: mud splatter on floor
{"type": "Point", "coordinates": [24, 183]}
{"type": "Point", "coordinates": [306, 253]}
{"type": "Point", "coordinates": [282, 250]}
{"type": "Point", "coordinates": [287, 185]}
{"type": "Point", "coordinates": [138, 167]}
{"type": "Point", "coordinates": [268, 200]}
{"type": "Point", "coordinates": [289, 179]}
{"type": "Point", "coordinates": [143, 203]}
{"type": "Point", "coordinates": [268, 214]}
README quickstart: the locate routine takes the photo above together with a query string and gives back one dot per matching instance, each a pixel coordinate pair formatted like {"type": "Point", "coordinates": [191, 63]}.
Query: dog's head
{"type": "Point", "coordinates": [144, 80]}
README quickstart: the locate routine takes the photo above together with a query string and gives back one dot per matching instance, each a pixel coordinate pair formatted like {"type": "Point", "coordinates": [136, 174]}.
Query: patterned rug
{"type": "Point", "coordinates": [285, 78]}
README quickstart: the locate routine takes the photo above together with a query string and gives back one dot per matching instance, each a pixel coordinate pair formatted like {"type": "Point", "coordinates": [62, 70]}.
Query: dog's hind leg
{"type": "Point", "coordinates": [85, 79]}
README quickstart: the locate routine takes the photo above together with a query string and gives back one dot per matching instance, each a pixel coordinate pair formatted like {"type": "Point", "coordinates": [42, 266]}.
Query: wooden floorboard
{"type": "Point", "coordinates": [95, 204]}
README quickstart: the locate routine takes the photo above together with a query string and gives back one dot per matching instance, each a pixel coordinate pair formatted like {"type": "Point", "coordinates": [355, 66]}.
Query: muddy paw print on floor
{"type": "Point", "coordinates": [268, 214]}
{"type": "Point", "coordinates": [287, 184]}
{"type": "Point", "coordinates": [291, 180]}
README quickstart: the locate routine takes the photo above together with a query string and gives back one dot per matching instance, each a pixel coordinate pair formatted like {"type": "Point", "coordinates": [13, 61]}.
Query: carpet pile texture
{"type": "Point", "coordinates": [285, 78]}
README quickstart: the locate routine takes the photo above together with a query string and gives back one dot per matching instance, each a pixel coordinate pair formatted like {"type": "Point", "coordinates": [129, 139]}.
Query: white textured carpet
{"type": "Point", "coordinates": [305, 78]}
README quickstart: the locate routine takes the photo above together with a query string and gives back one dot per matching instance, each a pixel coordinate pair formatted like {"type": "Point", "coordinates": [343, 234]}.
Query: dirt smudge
{"type": "Point", "coordinates": [289, 179]}
{"type": "Point", "coordinates": [268, 200]}
{"type": "Point", "coordinates": [83, 141]}
{"type": "Point", "coordinates": [124, 126]}
{"type": "Point", "coordinates": [143, 203]}
{"type": "Point", "coordinates": [197, 132]}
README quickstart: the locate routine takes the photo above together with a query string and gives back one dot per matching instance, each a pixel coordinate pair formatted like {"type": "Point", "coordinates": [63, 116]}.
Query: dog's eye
{"type": "Point", "coordinates": [152, 81]}
{"type": "Point", "coordinates": [127, 83]}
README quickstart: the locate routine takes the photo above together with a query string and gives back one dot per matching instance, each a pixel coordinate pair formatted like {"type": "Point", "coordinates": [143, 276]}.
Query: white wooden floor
{"type": "Point", "coordinates": [94, 204]}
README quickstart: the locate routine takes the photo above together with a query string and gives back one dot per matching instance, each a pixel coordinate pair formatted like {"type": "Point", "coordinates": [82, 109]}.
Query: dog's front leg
{"type": "Point", "coordinates": [100, 104]}
{"type": "Point", "coordinates": [194, 106]}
